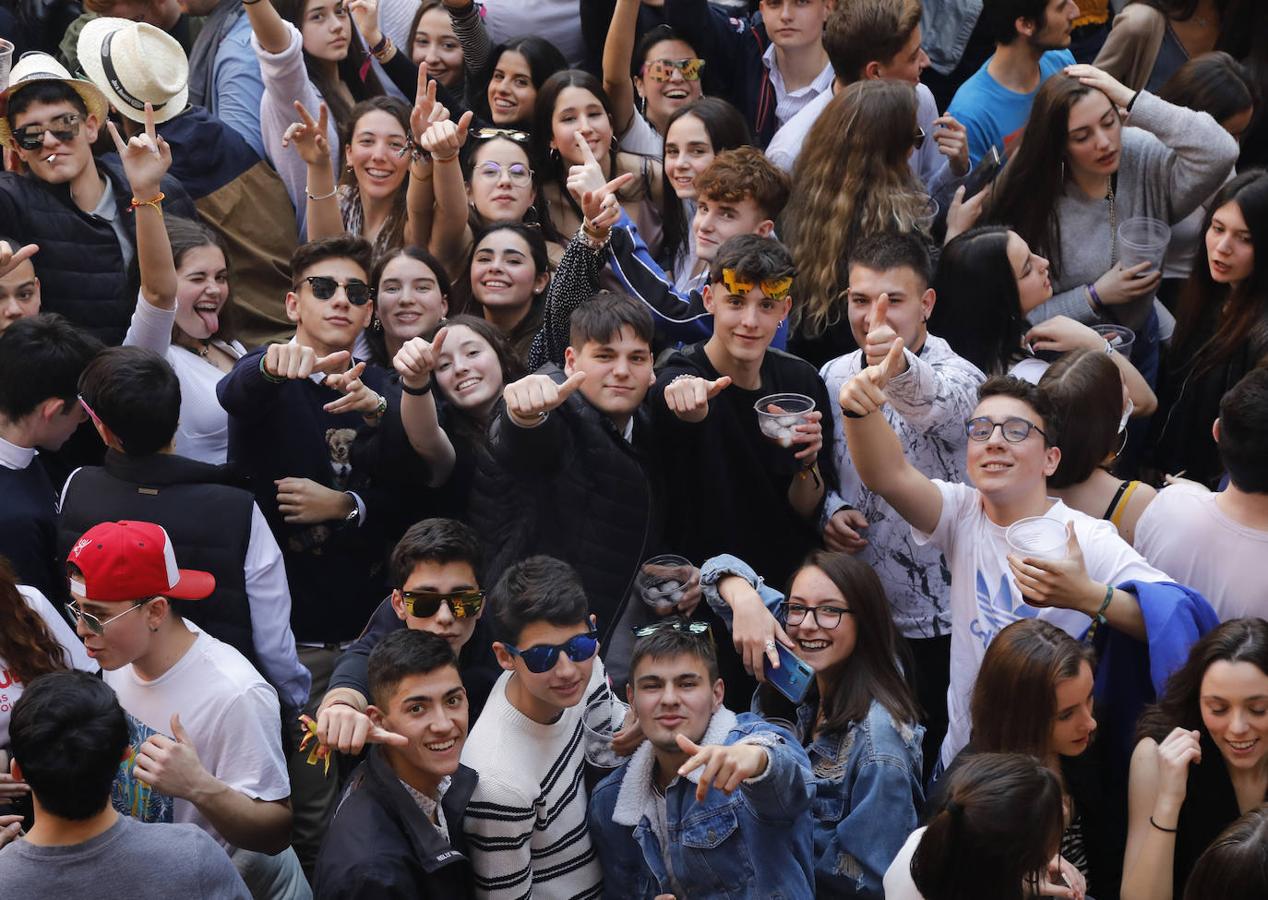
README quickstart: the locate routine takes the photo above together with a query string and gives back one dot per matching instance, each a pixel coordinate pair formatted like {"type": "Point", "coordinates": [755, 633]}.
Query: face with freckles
{"type": "Point", "coordinates": [202, 289]}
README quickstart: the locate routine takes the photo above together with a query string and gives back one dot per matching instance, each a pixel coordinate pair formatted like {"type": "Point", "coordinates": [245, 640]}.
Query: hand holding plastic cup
{"type": "Point", "coordinates": [1142, 239]}
{"type": "Point", "coordinates": [600, 722]}
{"type": "Point", "coordinates": [662, 582]}
{"type": "Point", "coordinates": [1120, 337]}
{"type": "Point", "coordinates": [778, 416]}
{"type": "Point", "coordinates": [1038, 537]}
{"type": "Point", "coordinates": [6, 63]}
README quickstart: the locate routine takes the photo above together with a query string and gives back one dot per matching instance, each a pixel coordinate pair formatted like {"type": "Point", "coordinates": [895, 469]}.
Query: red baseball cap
{"type": "Point", "coordinates": [120, 561]}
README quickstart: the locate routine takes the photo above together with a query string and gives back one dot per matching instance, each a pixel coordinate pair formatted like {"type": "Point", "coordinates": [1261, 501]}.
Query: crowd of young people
{"type": "Point", "coordinates": [666, 449]}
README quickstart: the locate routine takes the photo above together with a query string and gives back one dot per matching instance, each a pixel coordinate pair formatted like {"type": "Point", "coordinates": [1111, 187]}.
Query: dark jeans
{"type": "Point", "coordinates": [932, 657]}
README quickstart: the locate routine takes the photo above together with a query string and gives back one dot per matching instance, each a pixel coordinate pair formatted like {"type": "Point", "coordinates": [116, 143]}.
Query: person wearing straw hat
{"type": "Point", "coordinates": [238, 194]}
{"type": "Point", "coordinates": [74, 207]}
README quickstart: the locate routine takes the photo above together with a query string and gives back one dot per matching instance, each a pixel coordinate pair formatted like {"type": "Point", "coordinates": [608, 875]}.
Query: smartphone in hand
{"type": "Point", "coordinates": [983, 173]}
{"type": "Point", "coordinates": [793, 677]}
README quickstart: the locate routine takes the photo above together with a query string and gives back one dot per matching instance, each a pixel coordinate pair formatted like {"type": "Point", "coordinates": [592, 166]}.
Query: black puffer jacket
{"type": "Point", "coordinates": [579, 492]}
{"type": "Point", "coordinates": [80, 265]}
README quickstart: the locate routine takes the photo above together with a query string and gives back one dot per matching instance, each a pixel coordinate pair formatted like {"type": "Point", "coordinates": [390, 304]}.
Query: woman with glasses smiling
{"type": "Point", "coordinates": [859, 722]}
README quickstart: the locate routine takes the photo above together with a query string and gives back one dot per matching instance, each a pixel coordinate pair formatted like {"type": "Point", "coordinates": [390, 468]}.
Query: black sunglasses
{"type": "Point", "coordinates": [918, 139]}
{"type": "Point", "coordinates": [425, 604]}
{"type": "Point", "coordinates": [542, 657]}
{"type": "Point", "coordinates": [324, 287]}
{"type": "Point", "coordinates": [694, 628]}
{"type": "Point", "coordinates": [63, 128]}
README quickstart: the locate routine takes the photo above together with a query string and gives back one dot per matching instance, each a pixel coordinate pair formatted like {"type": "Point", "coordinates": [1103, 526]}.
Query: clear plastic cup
{"type": "Point", "coordinates": [662, 582]}
{"type": "Point", "coordinates": [6, 63]}
{"type": "Point", "coordinates": [1142, 239]}
{"type": "Point", "coordinates": [600, 722]}
{"type": "Point", "coordinates": [1038, 537]}
{"type": "Point", "coordinates": [778, 415]}
{"type": "Point", "coordinates": [1120, 337]}
{"type": "Point", "coordinates": [927, 215]}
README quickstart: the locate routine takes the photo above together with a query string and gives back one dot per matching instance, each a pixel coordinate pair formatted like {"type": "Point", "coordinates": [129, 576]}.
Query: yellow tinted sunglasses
{"type": "Point", "coordinates": [663, 69]}
{"type": "Point", "coordinates": [774, 288]}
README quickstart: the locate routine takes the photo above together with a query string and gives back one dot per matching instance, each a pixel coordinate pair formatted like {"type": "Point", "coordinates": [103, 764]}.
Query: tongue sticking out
{"type": "Point", "coordinates": [210, 319]}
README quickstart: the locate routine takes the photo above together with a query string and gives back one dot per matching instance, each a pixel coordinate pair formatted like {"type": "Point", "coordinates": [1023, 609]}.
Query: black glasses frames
{"type": "Point", "coordinates": [358, 292]}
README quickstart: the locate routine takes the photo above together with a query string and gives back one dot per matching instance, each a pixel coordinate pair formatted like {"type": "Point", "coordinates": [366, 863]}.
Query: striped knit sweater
{"type": "Point", "coordinates": [526, 823]}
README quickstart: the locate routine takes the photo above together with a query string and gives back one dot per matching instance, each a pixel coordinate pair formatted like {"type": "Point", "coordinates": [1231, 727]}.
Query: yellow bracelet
{"type": "Point", "coordinates": [153, 202]}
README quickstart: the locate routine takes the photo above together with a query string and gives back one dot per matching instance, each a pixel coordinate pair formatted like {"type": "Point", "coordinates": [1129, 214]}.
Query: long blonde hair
{"type": "Point", "coordinates": [851, 180]}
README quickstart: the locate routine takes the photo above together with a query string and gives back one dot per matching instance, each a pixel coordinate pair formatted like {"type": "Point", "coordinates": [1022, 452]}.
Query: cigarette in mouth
{"type": "Point", "coordinates": [51, 157]}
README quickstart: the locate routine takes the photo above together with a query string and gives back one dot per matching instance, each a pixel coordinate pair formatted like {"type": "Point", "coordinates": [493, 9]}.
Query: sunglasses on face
{"type": "Point", "coordinates": [1015, 430]}
{"type": "Point", "coordinates": [695, 628]}
{"type": "Point", "coordinates": [95, 625]}
{"type": "Point", "coordinates": [357, 291]}
{"type": "Point", "coordinates": [826, 617]}
{"type": "Point", "coordinates": [63, 128]}
{"type": "Point", "coordinates": [663, 69]}
{"type": "Point", "coordinates": [518, 173]}
{"type": "Point", "coordinates": [918, 139]}
{"type": "Point", "coordinates": [542, 657]}
{"type": "Point", "coordinates": [774, 288]}
{"type": "Point", "coordinates": [425, 604]}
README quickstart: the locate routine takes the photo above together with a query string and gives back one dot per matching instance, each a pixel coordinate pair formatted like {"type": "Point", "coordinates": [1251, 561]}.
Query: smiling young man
{"type": "Point", "coordinates": [711, 804]}
{"type": "Point", "coordinates": [434, 570]}
{"type": "Point", "coordinates": [304, 427]}
{"type": "Point", "coordinates": [1031, 37]}
{"type": "Point", "coordinates": [769, 67]}
{"type": "Point", "coordinates": [578, 442]}
{"type": "Point", "coordinates": [399, 831]}
{"type": "Point", "coordinates": [70, 204]}
{"type": "Point", "coordinates": [526, 823]}
{"type": "Point", "coordinates": [740, 192]}
{"type": "Point", "coordinates": [1012, 450]}
{"type": "Point", "coordinates": [889, 298]}
{"type": "Point", "coordinates": [205, 728]}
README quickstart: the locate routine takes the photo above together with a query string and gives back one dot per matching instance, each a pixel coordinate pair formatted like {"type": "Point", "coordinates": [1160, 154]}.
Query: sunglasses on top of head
{"type": "Point", "coordinates": [358, 292]}
{"type": "Point", "coordinates": [542, 657]}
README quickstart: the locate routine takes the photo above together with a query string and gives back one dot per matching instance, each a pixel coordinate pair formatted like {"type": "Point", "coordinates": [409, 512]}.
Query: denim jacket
{"type": "Point", "coordinates": [755, 843]}
{"type": "Point", "coordinates": [867, 780]}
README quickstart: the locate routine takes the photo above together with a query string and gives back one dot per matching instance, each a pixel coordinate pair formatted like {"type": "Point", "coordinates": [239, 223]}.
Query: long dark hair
{"type": "Point", "coordinates": [872, 671]}
{"type": "Point", "coordinates": [1237, 640]}
{"type": "Point", "coordinates": [1236, 862]}
{"type": "Point", "coordinates": [463, 297]}
{"type": "Point", "coordinates": [394, 225]}
{"type": "Point", "coordinates": [543, 58]}
{"type": "Point", "coordinates": [727, 130]}
{"type": "Point", "coordinates": [552, 167]}
{"type": "Point", "coordinates": [350, 68]}
{"type": "Point", "coordinates": [979, 309]}
{"type": "Point", "coordinates": [1026, 195]}
{"type": "Point", "coordinates": [1001, 824]}
{"type": "Point", "coordinates": [459, 421]}
{"type": "Point", "coordinates": [375, 337]}
{"type": "Point", "coordinates": [27, 647]}
{"type": "Point", "coordinates": [1085, 387]}
{"type": "Point", "coordinates": [1220, 315]}
{"type": "Point", "coordinates": [538, 214]}
{"type": "Point", "coordinates": [1014, 697]}
{"type": "Point", "coordinates": [1213, 83]}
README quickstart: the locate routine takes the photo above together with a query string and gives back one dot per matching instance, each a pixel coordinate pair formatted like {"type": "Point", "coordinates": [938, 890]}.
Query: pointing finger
{"type": "Point", "coordinates": [439, 340]}
{"type": "Point", "coordinates": [893, 362]}
{"type": "Point", "coordinates": [880, 312]}
{"type": "Point", "coordinates": [616, 183]}
{"type": "Point", "coordinates": [118, 141]}
{"type": "Point", "coordinates": [587, 155]}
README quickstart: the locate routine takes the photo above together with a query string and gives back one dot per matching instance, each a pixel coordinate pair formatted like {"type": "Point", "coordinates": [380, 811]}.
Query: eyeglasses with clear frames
{"type": "Point", "coordinates": [517, 173]}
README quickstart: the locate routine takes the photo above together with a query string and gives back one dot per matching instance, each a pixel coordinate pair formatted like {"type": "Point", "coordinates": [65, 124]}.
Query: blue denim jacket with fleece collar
{"type": "Point", "coordinates": [755, 843]}
{"type": "Point", "coordinates": [867, 780]}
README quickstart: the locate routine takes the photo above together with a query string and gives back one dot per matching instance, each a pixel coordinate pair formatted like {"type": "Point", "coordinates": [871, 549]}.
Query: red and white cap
{"type": "Point", "coordinates": [121, 561]}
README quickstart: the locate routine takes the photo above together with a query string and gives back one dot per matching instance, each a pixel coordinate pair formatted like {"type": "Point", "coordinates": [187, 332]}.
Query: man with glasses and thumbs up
{"type": "Point", "coordinates": [889, 297]}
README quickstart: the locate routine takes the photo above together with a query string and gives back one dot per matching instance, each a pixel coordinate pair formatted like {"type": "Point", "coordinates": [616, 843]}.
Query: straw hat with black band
{"type": "Point", "coordinates": [34, 67]}
{"type": "Point", "coordinates": [134, 63]}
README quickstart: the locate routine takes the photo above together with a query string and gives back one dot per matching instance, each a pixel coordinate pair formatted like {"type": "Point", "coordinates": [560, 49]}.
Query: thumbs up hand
{"type": "Point", "coordinates": [880, 335]}
{"type": "Point", "coordinates": [532, 397]}
{"type": "Point", "coordinates": [688, 397]}
{"type": "Point", "coordinates": [171, 765]}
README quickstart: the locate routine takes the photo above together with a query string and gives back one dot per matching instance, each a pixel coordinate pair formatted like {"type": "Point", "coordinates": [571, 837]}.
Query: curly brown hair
{"type": "Point", "coordinates": [27, 647]}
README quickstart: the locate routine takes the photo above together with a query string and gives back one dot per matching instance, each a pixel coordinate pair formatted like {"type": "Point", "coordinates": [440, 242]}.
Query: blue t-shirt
{"type": "Point", "coordinates": [992, 113]}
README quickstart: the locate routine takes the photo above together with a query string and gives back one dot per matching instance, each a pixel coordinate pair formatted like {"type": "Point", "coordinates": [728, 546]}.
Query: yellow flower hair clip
{"type": "Point", "coordinates": [774, 288]}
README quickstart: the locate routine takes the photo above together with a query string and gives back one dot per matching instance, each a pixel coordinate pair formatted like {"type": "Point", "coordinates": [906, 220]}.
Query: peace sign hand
{"type": "Point", "coordinates": [146, 157]}
{"type": "Point", "coordinates": [426, 110]}
{"type": "Point", "coordinates": [309, 136]}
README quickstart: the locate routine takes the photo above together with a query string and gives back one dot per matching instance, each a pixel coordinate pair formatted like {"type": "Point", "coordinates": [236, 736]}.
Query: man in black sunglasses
{"type": "Point", "coordinates": [434, 567]}
{"type": "Point", "coordinates": [311, 428]}
{"type": "Point", "coordinates": [73, 206]}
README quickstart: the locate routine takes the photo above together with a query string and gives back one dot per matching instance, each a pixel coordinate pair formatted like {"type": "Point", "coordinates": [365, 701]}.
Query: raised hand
{"type": "Point", "coordinates": [880, 336]}
{"type": "Point", "coordinates": [589, 175]}
{"type": "Point", "coordinates": [171, 764]}
{"type": "Point", "coordinates": [842, 531]}
{"type": "Point", "coordinates": [865, 392]}
{"type": "Point", "coordinates": [365, 13]}
{"type": "Point", "coordinates": [426, 110]}
{"type": "Point", "coordinates": [754, 631]}
{"type": "Point", "coordinates": [417, 359]}
{"type": "Point", "coordinates": [347, 730]}
{"type": "Point", "coordinates": [532, 397]}
{"type": "Point", "coordinates": [309, 135]}
{"type": "Point", "coordinates": [688, 398]}
{"type": "Point", "coordinates": [357, 396]}
{"type": "Point", "coordinates": [1176, 753]}
{"type": "Point", "coordinates": [1119, 94]}
{"type": "Point", "coordinates": [444, 139]}
{"type": "Point", "coordinates": [725, 767]}
{"type": "Point", "coordinates": [146, 157]}
{"type": "Point", "coordinates": [10, 259]}
{"type": "Point", "coordinates": [295, 361]}
{"type": "Point", "coordinates": [953, 143]}
{"type": "Point", "coordinates": [602, 208]}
